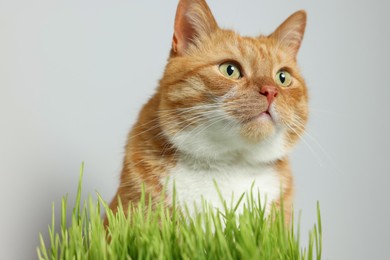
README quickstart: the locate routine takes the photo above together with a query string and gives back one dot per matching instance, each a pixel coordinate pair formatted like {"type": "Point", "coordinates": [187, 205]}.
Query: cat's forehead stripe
{"type": "Point", "coordinates": [255, 56]}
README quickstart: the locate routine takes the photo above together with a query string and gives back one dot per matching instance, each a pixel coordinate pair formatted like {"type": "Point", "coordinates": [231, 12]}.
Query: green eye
{"type": "Point", "coordinates": [230, 70]}
{"type": "Point", "coordinates": [283, 78]}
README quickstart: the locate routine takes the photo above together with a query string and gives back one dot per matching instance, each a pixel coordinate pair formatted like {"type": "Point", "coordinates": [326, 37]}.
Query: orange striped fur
{"type": "Point", "coordinates": [200, 120]}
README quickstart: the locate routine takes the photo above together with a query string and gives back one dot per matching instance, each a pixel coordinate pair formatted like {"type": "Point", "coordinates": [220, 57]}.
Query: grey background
{"type": "Point", "coordinates": [74, 74]}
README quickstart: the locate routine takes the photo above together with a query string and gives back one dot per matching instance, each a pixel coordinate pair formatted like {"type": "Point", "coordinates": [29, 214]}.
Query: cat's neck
{"type": "Point", "coordinates": [214, 147]}
{"type": "Point", "coordinates": [235, 158]}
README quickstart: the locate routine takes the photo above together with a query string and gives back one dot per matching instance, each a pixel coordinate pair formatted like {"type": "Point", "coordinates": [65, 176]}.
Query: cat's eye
{"type": "Point", "coordinates": [283, 78]}
{"type": "Point", "coordinates": [230, 70]}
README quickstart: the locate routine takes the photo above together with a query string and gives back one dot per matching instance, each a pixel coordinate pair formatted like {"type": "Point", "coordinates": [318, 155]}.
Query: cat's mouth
{"type": "Point", "coordinates": [265, 115]}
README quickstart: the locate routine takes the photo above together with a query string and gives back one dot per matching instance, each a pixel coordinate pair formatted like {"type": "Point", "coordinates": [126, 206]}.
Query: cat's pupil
{"type": "Point", "coordinates": [230, 70]}
{"type": "Point", "coordinates": [282, 77]}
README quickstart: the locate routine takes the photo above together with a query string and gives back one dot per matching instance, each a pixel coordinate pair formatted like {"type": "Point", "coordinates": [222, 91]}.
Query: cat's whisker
{"type": "Point", "coordinates": [192, 121]}
{"type": "Point", "coordinates": [173, 115]}
{"type": "Point", "coordinates": [316, 156]}
{"type": "Point", "coordinates": [206, 121]}
{"type": "Point", "coordinates": [319, 145]}
{"type": "Point", "coordinates": [202, 127]}
{"type": "Point", "coordinates": [300, 125]}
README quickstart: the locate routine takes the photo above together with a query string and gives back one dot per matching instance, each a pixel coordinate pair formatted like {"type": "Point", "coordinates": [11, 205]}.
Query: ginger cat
{"type": "Point", "coordinates": [228, 109]}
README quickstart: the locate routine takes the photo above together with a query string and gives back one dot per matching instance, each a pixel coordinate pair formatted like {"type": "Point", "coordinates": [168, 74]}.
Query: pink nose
{"type": "Point", "coordinates": [270, 92]}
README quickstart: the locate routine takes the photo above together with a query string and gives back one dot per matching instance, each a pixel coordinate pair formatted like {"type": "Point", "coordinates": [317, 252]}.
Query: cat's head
{"type": "Point", "coordinates": [226, 95]}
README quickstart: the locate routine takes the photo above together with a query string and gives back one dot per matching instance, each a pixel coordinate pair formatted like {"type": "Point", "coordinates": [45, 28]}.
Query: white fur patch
{"type": "Point", "coordinates": [221, 140]}
{"type": "Point", "coordinates": [215, 151]}
{"type": "Point", "coordinates": [193, 182]}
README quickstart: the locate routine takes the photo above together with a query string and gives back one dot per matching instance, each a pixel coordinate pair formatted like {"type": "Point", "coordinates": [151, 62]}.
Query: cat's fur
{"type": "Point", "coordinates": [201, 126]}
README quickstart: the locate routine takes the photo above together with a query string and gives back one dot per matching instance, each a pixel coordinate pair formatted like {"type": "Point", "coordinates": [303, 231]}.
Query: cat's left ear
{"type": "Point", "coordinates": [290, 33]}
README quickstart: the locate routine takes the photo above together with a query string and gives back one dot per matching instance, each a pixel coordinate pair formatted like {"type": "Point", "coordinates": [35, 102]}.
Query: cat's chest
{"type": "Point", "coordinates": [192, 184]}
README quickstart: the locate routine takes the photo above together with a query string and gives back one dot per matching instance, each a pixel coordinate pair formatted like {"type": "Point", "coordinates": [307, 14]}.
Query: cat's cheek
{"type": "Point", "coordinates": [291, 121]}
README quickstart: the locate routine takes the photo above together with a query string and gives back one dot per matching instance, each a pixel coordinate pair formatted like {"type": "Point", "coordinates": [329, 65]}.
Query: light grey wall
{"type": "Point", "coordinates": [74, 74]}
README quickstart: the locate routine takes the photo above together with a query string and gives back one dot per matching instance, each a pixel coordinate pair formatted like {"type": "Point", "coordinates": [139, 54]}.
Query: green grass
{"type": "Point", "coordinates": [165, 234]}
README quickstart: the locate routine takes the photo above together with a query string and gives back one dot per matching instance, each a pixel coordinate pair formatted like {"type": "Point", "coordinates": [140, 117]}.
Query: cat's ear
{"type": "Point", "coordinates": [193, 21]}
{"type": "Point", "coordinates": [290, 33]}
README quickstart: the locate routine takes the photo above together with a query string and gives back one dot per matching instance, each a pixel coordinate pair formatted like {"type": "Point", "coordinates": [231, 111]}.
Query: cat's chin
{"type": "Point", "coordinates": [264, 117]}
{"type": "Point", "coordinates": [259, 128]}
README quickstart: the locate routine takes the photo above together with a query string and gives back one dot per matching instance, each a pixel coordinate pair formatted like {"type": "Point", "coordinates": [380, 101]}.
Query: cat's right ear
{"type": "Point", "coordinates": [193, 21]}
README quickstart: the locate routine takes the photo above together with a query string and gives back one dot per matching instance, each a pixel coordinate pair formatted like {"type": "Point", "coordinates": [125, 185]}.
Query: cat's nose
{"type": "Point", "coordinates": [270, 92]}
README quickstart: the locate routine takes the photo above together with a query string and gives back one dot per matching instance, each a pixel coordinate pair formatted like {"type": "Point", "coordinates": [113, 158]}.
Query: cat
{"type": "Point", "coordinates": [226, 113]}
